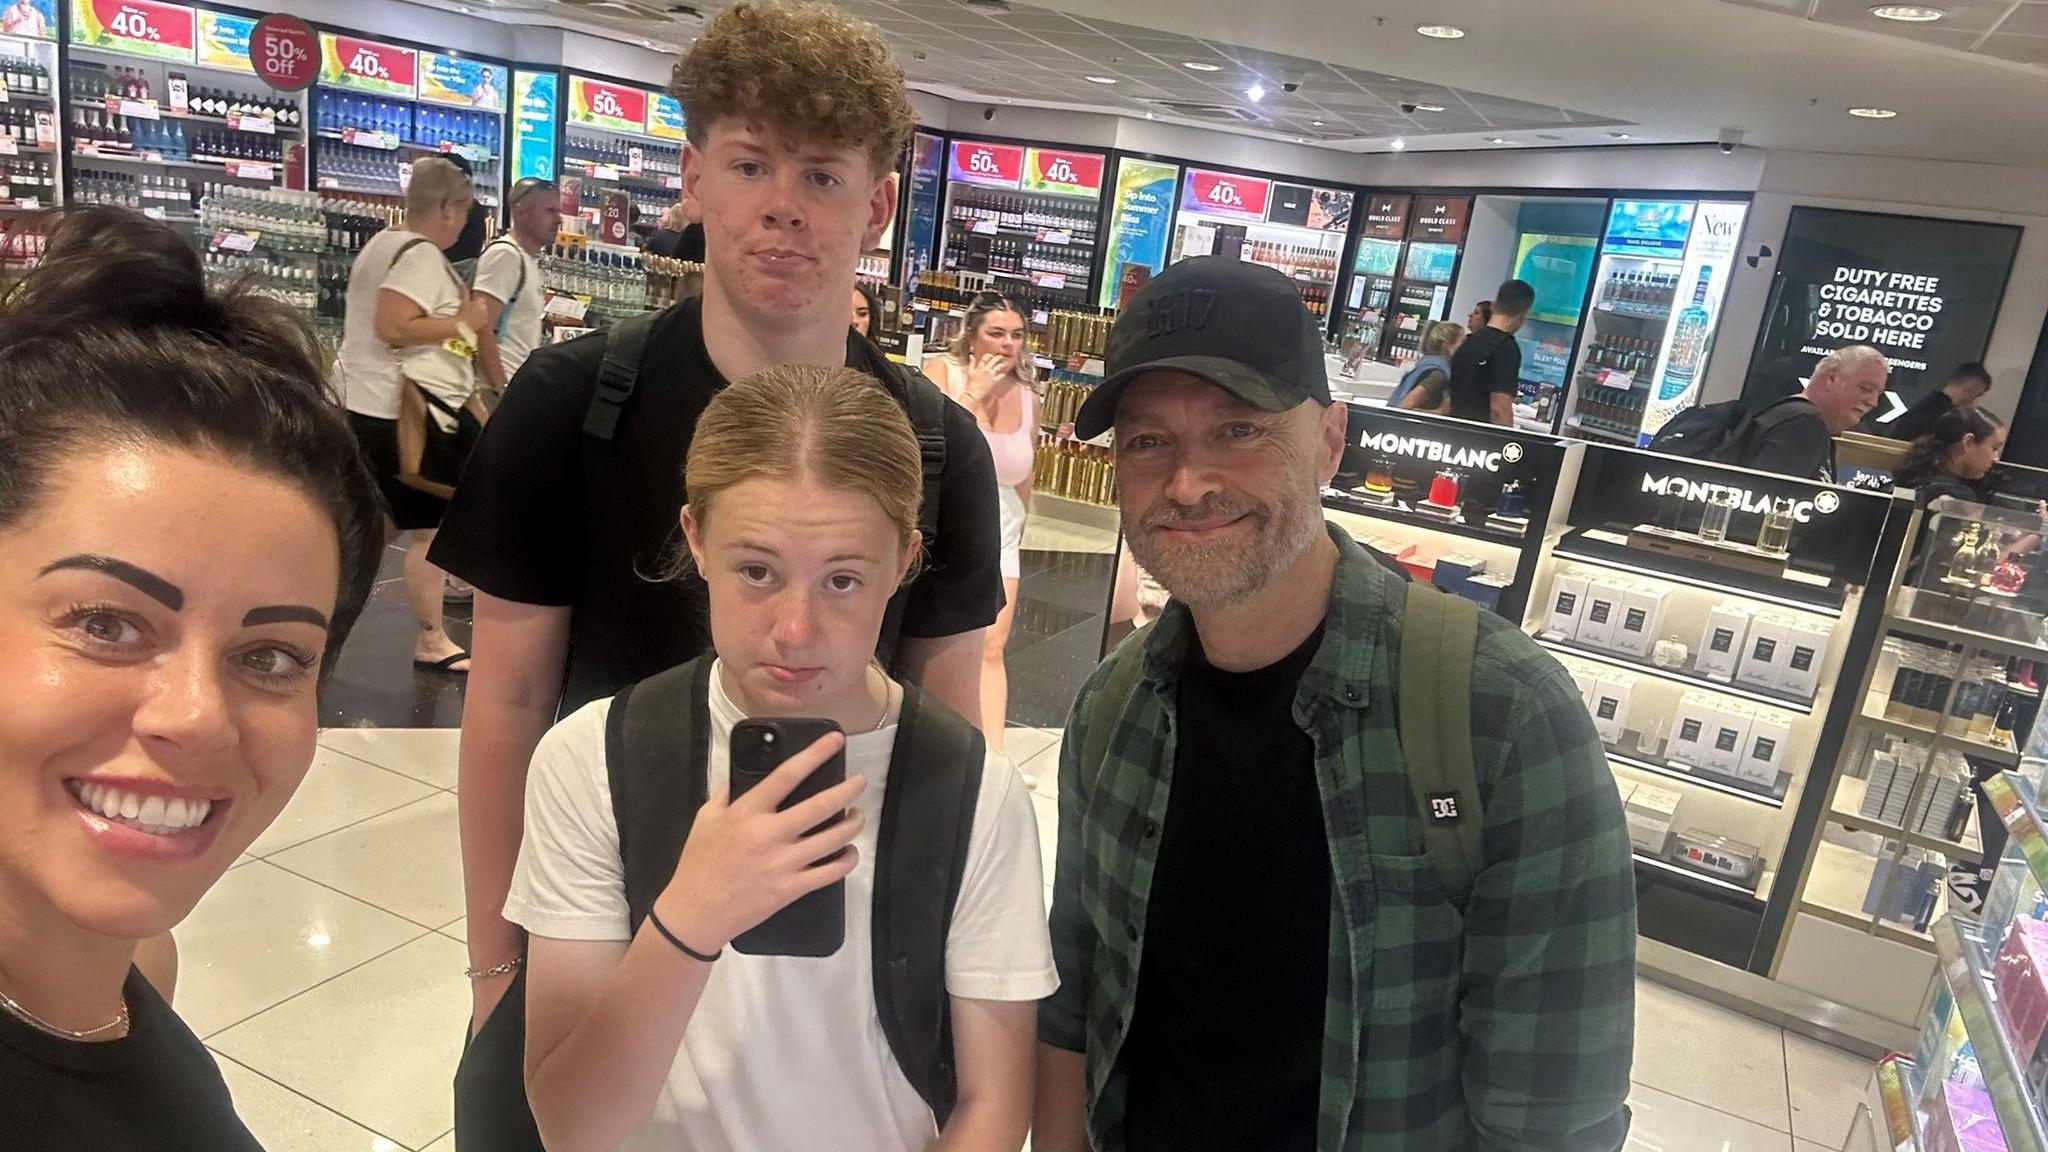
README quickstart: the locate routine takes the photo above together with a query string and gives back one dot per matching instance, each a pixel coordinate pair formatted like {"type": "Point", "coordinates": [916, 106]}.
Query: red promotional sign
{"type": "Point", "coordinates": [608, 105]}
{"type": "Point", "coordinates": [284, 52]}
{"type": "Point", "coordinates": [1224, 194]}
{"type": "Point", "coordinates": [385, 64]}
{"type": "Point", "coordinates": [1071, 173]}
{"type": "Point", "coordinates": [998, 164]}
{"type": "Point", "coordinates": [141, 27]}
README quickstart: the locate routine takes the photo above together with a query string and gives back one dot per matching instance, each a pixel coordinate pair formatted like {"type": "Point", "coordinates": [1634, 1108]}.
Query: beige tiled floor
{"type": "Point", "coordinates": [326, 972]}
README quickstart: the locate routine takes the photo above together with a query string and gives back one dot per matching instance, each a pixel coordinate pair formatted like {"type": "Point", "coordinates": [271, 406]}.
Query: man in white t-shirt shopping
{"type": "Point", "coordinates": [410, 317]}
{"type": "Point", "coordinates": [508, 281]}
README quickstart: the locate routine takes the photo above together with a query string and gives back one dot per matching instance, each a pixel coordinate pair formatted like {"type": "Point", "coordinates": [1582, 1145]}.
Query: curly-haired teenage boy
{"type": "Point", "coordinates": [797, 116]}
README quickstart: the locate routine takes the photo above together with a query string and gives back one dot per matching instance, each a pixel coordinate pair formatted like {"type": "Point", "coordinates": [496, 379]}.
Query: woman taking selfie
{"type": "Point", "coordinates": [662, 1012]}
{"type": "Point", "coordinates": [989, 372]}
{"type": "Point", "coordinates": [186, 535]}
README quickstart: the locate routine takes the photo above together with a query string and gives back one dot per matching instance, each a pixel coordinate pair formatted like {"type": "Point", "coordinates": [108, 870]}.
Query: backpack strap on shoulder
{"type": "Point", "coordinates": [1439, 632]}
{"type": "Point", "coordinates": [921, 847]}
{"type": "Point", "coordinates": [625, 346]}
{"type": "Point", "coordinates": [926, 405]}
{"type": "Point", "coordinates": [657, 745]}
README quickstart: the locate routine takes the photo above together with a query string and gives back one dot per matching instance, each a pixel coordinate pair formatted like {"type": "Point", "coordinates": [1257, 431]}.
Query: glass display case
{"type": "Point", "coordinates": [1707, 614]}
{"type": "Point", "coordinates": [1948, 701]}
{"type": "Point", "coordinates": [1976, 1077]}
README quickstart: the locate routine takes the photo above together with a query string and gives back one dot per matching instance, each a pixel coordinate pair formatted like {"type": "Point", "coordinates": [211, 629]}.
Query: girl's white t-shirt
{"type": "Point", "coordinates": [785, 1052]}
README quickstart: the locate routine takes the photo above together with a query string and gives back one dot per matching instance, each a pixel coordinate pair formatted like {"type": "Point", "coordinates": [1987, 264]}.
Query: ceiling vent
{"type": "Point", "coordinates": [1222, 113]}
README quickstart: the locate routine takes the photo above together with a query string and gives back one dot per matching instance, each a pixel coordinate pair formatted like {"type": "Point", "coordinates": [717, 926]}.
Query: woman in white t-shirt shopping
{"type": "Point", "coordinates": [989, 371]}
{"type": "Point", "coordinates": [410, 318]}
{"type": "Point", "coordinates": [804, 486]}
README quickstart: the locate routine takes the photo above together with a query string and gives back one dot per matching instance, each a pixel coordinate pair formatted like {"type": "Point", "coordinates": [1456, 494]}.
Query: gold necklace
{"type": "Point", "coordinates": [15, 1009]}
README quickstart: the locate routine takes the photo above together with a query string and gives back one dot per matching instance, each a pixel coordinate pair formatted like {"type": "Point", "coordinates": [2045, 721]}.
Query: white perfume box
{"type": "Point", "coordinates": [1604, 598]}
{"type": "Point", "coordinates": [1610, 706]}
{"type": "Point", "coordinates": [1763, 656]}
{"type": "Point", "coordinates": [1731, 736]}
{"type": "Point", "coordinates": [1692, 729]}
{"type": "Point", "coordinates": [1806, 647]}
{"type": "Point", "coordinates": [1722, 641]}
{"type": "Point", "coordinates": [1764, 753]}
{"type": "Point", "coordinates": [1642, 618]}
{"type": "Point", "coordinates": [1567, 605]}
{"type": "Point", "coordinates": [1650, 813]}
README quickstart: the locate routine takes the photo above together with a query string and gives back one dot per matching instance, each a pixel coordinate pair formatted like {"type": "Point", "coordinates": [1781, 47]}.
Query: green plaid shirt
{"type": "Point", "coordinates": [1508, 1024]}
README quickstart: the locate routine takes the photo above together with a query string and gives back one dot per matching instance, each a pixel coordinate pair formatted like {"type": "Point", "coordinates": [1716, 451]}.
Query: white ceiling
{"type": "Point", "coordinates": [1555, 73]}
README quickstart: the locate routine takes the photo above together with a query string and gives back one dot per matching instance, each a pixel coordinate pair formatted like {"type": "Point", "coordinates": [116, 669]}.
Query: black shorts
{"type": "Point", "coordinates": [409, 507]}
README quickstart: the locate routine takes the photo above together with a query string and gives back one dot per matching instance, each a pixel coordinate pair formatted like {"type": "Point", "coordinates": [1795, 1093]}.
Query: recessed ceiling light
{"type": "Point", "coordinates": [1498, 140]}
{"type": "Point", "coordinates": [1618, 136]}
{"type": "Point", "coordinates": [1102, 79]}
{"type": "Point", "coordinates": [1149, 116]}
{"type": "Point", "coordinates": [1908, 13]}
{"type": "Point", "coordinates": [1255, 93]}
{"type": "Point", "coordinates": [1873, 113]}
{"type": "Point", "coordinates": [1421, 107]}
{"type": "Point", "coordinates": [1315, 123]}
{"type": "Point", "coordinates": [1301, 139]}
{"type": "Point", "coordinates": [1441, 31]}
{"type": "Point", "coordinates": [1398, 144]}
{"type": "Point", "coordinates": [1200, 66]}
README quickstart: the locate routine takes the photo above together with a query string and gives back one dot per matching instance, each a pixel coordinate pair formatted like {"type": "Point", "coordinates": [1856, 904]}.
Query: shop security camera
{"type": "Point", "coordinates": [1291, 86]}
{"type": "Point", "coordinates": [1731, 138]}
{"type": "Point", "coordinates": [988, 113]}
{"type": "Point", "coordinates": [1408, 106]}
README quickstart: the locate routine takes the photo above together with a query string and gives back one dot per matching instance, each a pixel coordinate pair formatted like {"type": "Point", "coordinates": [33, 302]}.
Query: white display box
{"type": "Point", "coordinates": [1692, 729]}
{"type": "Point", "coordinates": [1723, 640]}
{"type": "Point", "coordinates": [1731, 736]}
{"type": "Point", "coordinates": [1764, 753]}
{"type": "Point", "coordinates": [1605, 596]}
{"type": "Point", "coordinates": [1642, 618]}
{"type": "Point", "coordinates": [1806, 649]}
{"type": "Point", "coordinates": [1763, 657]}
{"type": "Point", "coordinates": [1567, 605]}
{"type": "Point", "coordinates": [1610, 706]}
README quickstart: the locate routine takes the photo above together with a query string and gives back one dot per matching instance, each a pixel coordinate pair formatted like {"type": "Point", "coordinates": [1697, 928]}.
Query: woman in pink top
{"type": "Point", "coordinates": [989, 371]}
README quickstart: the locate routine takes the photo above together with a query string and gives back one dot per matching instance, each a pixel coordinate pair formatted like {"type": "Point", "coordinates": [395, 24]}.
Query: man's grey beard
{"type": "Point", "coordinates": [1217, 576]}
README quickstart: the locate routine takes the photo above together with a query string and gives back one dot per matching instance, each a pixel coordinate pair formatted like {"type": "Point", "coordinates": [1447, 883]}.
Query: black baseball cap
{"type": "Point", "coordinates": [1240, 326]}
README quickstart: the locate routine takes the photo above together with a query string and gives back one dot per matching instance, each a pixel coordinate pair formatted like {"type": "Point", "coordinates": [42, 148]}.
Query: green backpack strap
{"type": "Point", "coordinates": [1439, 632]}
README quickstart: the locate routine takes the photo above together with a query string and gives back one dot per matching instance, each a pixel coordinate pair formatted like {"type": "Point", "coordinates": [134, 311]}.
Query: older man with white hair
{"type": "Point", "coordinates": [1796, 436]}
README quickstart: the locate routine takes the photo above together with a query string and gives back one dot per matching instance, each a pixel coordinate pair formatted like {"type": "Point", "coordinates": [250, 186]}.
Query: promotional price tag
{"type": "Point", "coordinates": [153, 212]}
{"type": "Point", "coordinates": [251, 170]}
{"type": "Point", "coordinates": [29, 203]}
{"type": "Point", "coordinates": [329, 182]}
{"type": "Point", "coordinates": [285, 52]}
{"type": "Point", "coordinates": [180, 93]}
{"type": "Point", "coordinates": [672, 183]}
{"type": "Point", "coordinates": [566, 308]}
{"type": "Point", "coordinates": [1049, 279]}
{"type": "Point", "coordinates": [135, 27]}
{"type": "Point", "coordinates": [261, 125]}
{"type": "Point", "coordinates": [46, 129]}
{"type": "Point", "coordinates": [235, 241]}
{"type": "Point", "coordinates": [1619, 381]}
{"type": "Point", "coordinates": [985, 228]}
{"type": "Point", "coordinates": [8, 147]}
{"type": "Point", "coordinates": [604, 172]}
{"type": "Point", "coordinates": [635, 161]}
{"type": "Point", "coordinates": [135, 109]}
{"type": "Point", "coordinates": [361, 139]}
{"type": "Point", "coordinates": [3, 93]}
{"type": "Point", "coordinates": [6, 194]}
{"type": "Point", "coordinates": [1054, 236]}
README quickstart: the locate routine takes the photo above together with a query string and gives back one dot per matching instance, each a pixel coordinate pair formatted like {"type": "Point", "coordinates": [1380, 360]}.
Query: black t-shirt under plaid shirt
{"type": "Point", "coordinates": [1507, 1023]}
{"type": "Point", "coordinates": [1227, 1041]}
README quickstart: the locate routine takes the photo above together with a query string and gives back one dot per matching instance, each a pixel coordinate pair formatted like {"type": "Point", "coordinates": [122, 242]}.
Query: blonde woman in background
{"type": "Point", "coordinates": [989, 371]}
{"type": "Point", "coordinates": [1426, 387]}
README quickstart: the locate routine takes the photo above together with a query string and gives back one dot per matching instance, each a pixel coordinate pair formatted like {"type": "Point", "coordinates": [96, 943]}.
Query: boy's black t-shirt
{"type": "Point", "coordinates": [528, 522]}
{"type": "Point", "coordinates": [1489, 361]}
{"type": "Point", "coordinates": [157, 1089]}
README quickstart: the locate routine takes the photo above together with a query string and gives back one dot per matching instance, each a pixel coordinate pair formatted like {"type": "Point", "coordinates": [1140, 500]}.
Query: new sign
{"type": "Point", "coordinates": [1224, 194]}
{"type": "Point", "coordinates": [994, 165]}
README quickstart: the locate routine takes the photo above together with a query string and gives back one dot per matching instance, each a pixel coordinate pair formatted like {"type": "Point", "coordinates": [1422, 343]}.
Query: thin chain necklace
{"type": "Point", "coordinates": [888, 700]}
{"type": "Point", "coordinates": [16, 1010]}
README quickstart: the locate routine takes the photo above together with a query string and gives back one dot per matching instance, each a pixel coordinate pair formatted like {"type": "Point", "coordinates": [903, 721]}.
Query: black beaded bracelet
{"type": "Point", "coordinates": [672, 938]}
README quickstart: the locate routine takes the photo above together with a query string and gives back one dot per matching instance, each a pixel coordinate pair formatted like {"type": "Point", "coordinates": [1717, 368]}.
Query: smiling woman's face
{"type": "Point", "coordinates": [162, 619]}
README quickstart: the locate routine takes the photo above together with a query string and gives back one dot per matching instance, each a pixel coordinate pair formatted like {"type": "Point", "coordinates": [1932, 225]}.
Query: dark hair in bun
{"type": "Point", "coordinates": [115, 336]}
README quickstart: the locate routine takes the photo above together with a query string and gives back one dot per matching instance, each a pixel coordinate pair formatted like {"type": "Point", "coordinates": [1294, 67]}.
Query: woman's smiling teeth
{"type": "Point", "coordinates": [153, 814]}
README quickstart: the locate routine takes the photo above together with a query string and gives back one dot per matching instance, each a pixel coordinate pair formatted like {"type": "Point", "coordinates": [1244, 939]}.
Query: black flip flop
{"type": "Point", "coordinates": [445, 664]}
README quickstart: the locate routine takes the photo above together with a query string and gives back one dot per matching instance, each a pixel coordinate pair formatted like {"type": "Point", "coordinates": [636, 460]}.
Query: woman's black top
{"type": "Point", "coordinates": [157, 1089]}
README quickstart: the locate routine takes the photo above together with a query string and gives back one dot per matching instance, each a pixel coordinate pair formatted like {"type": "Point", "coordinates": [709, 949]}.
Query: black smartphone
{"type": "Point", "coordinates": [815, 924]}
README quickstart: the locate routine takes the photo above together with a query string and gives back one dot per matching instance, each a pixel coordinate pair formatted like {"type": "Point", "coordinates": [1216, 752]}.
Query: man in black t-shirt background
{"type": "Point", "coordinates": [1966, 385]}
{"type": "Point", "coordinates": [1487, 370]}
{"type": "Point", "coordinates": [796, 116]}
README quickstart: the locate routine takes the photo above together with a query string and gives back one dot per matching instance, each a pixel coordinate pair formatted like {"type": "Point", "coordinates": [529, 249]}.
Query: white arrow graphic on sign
{"type": "Point", "coordinates": [1898, 407]}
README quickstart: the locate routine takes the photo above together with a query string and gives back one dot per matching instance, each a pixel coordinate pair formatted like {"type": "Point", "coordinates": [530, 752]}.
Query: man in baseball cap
{"type": "Point", "coordinates": [1264, 938]}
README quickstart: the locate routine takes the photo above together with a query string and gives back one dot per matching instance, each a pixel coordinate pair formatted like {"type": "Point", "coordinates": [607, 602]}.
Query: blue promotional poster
{"type": "Point", "coordinates": [461, 82]}
{"type": "Point", "coordinates": [927, 156]}
{"type": "Point", "coordinates": [665, 117]}
{"type": "Point", "coordinates": [533, 125]}
{"type": "Point", "coordinates": [1559, 268]}
{"type": "Point", "coordinates": [224, 41]}
{"type": "Point", "coordinates": [1430, 263]}
{"type": "Point", "coordinates": [1139, 227]}
{"type": "Point", "coordinates": [1649, 227]}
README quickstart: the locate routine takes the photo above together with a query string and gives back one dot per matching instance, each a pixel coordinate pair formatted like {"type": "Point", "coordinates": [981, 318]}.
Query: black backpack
{"type": "Point", "coordinates": [1726, 433]}
{"type": "Point", "coordinates": [626, 346]}
{"type": "Point", "coordinates": [663, 724]}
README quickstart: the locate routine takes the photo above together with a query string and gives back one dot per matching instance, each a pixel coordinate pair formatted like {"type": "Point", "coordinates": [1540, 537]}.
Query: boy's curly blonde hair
{"type": "Point", "coordinates": [808, 71]}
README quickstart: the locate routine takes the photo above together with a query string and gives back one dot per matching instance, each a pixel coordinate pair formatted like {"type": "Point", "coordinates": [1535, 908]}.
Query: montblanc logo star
{"type": "Point", "coordinates": [1511, 452]}
{"type": "Point", "coordinates": [1827, 502]}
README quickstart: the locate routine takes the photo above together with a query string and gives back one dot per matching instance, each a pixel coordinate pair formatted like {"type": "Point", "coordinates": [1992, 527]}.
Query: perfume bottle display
{"type": "Point", "coordinates": [1962, 567]}
{"type": "Point", "coordinates": [1714, 521]}
{"type": "Point", "coordinates": [1443, 491]}
{"type": "Point", "coordinates": [1776, 536]}
{"type": "Point", "coordinates": [1513, 505]}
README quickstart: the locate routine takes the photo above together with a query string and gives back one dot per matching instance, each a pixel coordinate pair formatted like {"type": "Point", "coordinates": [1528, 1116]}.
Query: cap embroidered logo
{"type": "Point", "coordinates": [1179, 312]}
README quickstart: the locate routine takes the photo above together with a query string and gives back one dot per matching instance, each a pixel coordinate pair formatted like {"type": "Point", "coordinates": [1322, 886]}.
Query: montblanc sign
{"type": "Point", "coordinates": [1438, 451]}
{"type": "Point", "coordinates": [1702, 492]}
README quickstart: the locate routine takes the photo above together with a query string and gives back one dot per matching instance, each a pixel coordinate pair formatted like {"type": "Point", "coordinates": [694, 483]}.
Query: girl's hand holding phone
{"type": "Point", "coordinates": [746, 861]}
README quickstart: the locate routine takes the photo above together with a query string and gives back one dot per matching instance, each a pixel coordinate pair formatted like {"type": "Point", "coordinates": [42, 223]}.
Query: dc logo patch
{"type": "Point", "coordinates": [1443, 807]}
